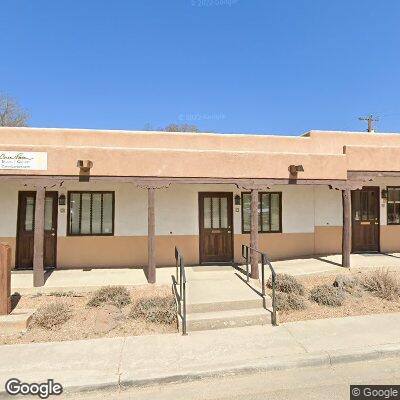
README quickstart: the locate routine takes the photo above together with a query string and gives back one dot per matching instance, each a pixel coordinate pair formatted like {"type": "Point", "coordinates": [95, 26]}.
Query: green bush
{"type": "Point", "coordinates": [328, 295]}
{"type": "Point", "coordinates": [289, 301]}
{"type": "Point", "coordinates": [52, 315]}
{"type": "Point", "coordinates": [382, 284]}
{"type": "Point", "coordinates": [157, 309]}
{"type": "Point", "coordinates": [115, 295]}
{"type": "Point", "coordinates": [287, 284]}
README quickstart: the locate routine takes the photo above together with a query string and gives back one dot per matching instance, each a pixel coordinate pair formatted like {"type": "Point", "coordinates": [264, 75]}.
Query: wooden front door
{"type": "Point", "coordinates": [25, 230]}
{"type": "Point", "coordinates": [216, 228]}
{"type": "Point", "coordinates": [365, 219]}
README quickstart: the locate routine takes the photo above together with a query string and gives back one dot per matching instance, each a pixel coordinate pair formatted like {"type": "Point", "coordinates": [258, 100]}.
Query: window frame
{"type": "Point", "coordinates": [69, 233]}
{"type": "Point", "coordinates": [259, 202]}
{"type": "Point", "coordinates": [387, 208]}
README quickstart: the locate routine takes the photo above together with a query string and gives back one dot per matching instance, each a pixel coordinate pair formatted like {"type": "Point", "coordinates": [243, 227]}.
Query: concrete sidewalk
{"type": "Point", "coordinates": [145, 360]}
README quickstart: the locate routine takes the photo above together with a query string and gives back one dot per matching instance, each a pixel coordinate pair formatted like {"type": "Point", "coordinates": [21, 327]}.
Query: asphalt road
{"type": "Point", "coordinates": [307, 383]}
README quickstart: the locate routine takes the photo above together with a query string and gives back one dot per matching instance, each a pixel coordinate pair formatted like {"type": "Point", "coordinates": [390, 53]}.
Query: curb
{"type": "Point", "coordinates": [323, 359]}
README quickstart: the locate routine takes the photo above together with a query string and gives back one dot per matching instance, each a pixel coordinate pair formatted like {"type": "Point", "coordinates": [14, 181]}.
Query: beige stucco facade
{"type": "Point", "coordinates": [324, 155]}
{"type": "Point", "coordinates": [311, 210]}
{"type": "Point", "coordinates": [311, 225]}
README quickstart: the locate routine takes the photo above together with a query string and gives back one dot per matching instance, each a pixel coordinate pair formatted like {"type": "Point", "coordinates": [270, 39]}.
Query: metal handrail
{"type": "Point", "coordinates": [181, 282]}
{"type": "Point", "coordinates": [264, 260]}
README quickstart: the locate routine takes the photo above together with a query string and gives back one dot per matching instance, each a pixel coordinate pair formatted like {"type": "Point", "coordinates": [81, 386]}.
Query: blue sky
{"type": "Point", "coordinates": [259, 66]}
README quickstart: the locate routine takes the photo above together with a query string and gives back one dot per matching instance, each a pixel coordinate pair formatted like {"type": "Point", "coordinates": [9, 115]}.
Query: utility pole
{"type": "Point", "coordinates": [370, 119]}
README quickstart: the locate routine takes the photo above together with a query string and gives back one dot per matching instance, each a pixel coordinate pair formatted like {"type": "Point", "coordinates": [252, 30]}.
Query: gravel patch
{"type": "Point", "coordinates": [84, 320]}
{"type": "Point", "coordinates": [361, 302]}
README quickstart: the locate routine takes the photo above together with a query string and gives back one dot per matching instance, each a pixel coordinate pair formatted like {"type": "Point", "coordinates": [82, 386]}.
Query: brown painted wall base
{"type": "Point", "coordinates": [328, 240]}
{"type": "Point", "coordinates": [123, 251]}
{"type": "Point", "coordinates": [278, 245]}
{"type": "Point", "coordinates": [101, 251]}
{"type": "Point", "coordinates": [390, 238]}
{"type": "Point", "coordinates": [131, 251]}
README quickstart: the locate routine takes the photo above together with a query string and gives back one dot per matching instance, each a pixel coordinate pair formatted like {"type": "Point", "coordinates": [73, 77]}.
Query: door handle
{"type": "Point", "coordinates": [53, 234]}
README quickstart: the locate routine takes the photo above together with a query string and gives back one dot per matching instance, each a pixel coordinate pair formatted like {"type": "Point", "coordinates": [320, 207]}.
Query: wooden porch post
{"type": "Point", "coordinates": [38, 238]}
{"type": "Point", "coordinates": [346, 233]}
{"type": "Point", "coordinates": [254, 234]}
{"type": "Point", "coordinates": [151, 232]}
{"type": "Point", "coordinates": [5, 279]}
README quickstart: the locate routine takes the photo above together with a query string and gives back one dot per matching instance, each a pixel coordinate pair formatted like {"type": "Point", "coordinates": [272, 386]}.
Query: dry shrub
{"type": "Point", "coordinates": [287, 284]}
{"type": "Point", "coordinates": [347, 283]}
{"type": "Point", "coordinates": [156, 309]}
{"type": "Point", "coordinates": [61, 293]}
{"type": "Point", "coordinates": [115, 295]}
{"type": "Point", "coordinates": [382, 284]}
{"type": "Point", "coordinates": [289, 301]}
{"type": "Point", "coordinates": [328, 295]}
{"type": "Point", "coordinates": [52, 315]}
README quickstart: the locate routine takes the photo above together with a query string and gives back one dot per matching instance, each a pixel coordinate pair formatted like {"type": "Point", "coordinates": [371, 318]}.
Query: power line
{"type": "Point", "coordinates": [370, 119]}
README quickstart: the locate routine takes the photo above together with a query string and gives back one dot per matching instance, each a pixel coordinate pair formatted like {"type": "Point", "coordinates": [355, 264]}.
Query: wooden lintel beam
{"type": "Point", "coordinates": [370, 175]}
{"type": "Point", "coordinates": [153, 185]}
{"type": "Point", "coordinates": [351, 185]}
{"type": "Point", "coordinates": [161, 182]}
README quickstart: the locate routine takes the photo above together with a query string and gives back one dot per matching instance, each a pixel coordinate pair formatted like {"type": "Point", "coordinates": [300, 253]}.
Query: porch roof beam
{"type": "Point", "coordinates": [144, 181]}
{"type": "Point", "coordinates": [369, 175]}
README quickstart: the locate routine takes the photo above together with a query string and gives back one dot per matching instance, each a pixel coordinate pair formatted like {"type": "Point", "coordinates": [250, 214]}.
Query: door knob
{"type": "Point", "coordinates": [53, 234]}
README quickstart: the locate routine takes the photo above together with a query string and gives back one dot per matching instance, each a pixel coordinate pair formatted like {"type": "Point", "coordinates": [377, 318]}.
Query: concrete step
{"type": "Point", "coordinates": [222, 295]}
{"type": "Point", "coordinates": [228, 305]}
{"type": "Point", "coordinates": [227, 319]}
{"type": "Point", "coordinates": [15, 322]}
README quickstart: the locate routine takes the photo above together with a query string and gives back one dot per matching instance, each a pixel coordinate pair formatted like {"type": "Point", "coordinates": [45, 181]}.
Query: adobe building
{"type": "Point", "coordinates": [88, 198]}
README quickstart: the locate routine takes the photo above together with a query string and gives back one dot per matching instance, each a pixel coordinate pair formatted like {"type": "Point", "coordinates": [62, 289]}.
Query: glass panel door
{"type": "Point", "coordinates": [48, 214]}
{"type": "Point", "coordinates": [29, 213]}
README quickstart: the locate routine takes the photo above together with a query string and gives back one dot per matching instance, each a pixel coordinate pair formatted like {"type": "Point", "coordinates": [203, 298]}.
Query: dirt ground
{"type": "Point", "coordinates": [87, 322]}
{"type": "Point", "coordinates": [362, 303]}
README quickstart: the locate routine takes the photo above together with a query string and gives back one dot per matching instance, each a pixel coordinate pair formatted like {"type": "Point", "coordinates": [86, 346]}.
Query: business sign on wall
{"type": "Point", "coordinates": [25, 160]}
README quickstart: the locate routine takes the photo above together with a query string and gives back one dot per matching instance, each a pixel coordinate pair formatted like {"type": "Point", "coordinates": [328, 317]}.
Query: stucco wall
{"type": "Point", "coordinates": [311, 219]}
{"type": "Point", "coordinates": [324, 155]}
{"type": "Point", "coordinates": [389, 234]}
{"type": "Point", "coordinates": [8, 215]}
{"type": "Point", "coordinates": [311, 224]}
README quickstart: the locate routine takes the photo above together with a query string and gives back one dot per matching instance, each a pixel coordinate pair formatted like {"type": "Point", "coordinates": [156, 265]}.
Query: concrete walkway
{"type": "Point", "coordinates": [78, 279]}
{"type": "Point", "coordinates": [87, 280]}
{"type": "Point", "coordinates": [323, 264]}
{"type": "Point", "coordinates": [163, 358]}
